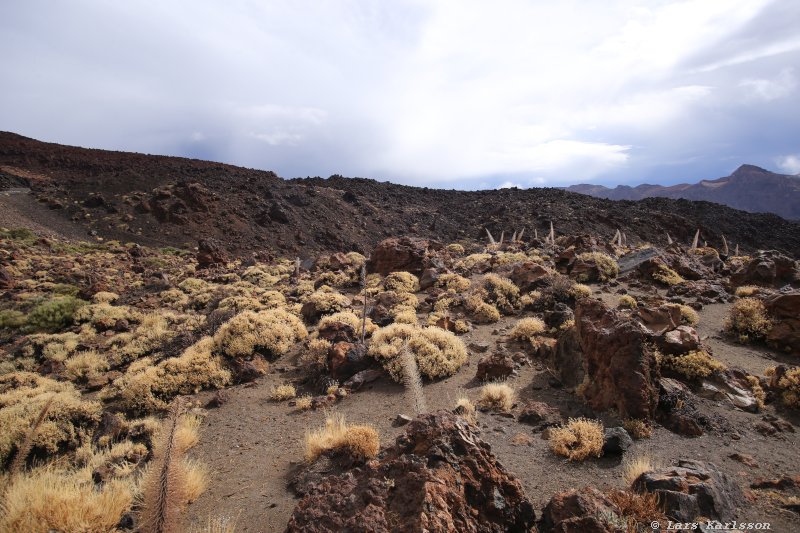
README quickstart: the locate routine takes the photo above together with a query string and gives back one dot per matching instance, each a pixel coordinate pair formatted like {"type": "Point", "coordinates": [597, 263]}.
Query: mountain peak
{"type": "Point", "coordinates": [746, 169]}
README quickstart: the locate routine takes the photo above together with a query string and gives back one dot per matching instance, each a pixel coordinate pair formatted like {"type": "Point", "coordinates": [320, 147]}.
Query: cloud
{"type": "Point", "coordinates": [789, 164]}
{"type": "Point", "coordinates": [451, 93]}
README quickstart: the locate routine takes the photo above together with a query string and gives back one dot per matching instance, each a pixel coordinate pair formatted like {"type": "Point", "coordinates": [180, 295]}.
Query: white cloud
{"type": "Point", "coordinates": [509, 185]}
{"type": "Point", "coordinates": [771, 89]}
{"type": "Point", "coordinates": [789, 164]}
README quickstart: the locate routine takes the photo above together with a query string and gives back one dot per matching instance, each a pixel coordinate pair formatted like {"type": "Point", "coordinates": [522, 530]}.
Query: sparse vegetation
{"type": "Point", "coordinates": [271, 332]}
{"type": "Point", "coordinates": [697, 364]}
{"type": "Point", "coordinates": [578, 440]}
{"type": "Point", "coordinates": [626, 301]}
{"type": "Point", "coordinates": [634, 466]}
{"type": "Point", "coordinates": [401, 282]}
{"type": "Point", "coordinates": [638, 429]}
{"type": "Point", "coordinates": [438, 352]}
{"type": "Point", "coordinates": [666, 276]}
{"type": "Point", "coordinates": [607, 267]}
{"type": "Point", "coordinates": [282, 392]}
{"type": "Point", "coordinates": [527, 328]}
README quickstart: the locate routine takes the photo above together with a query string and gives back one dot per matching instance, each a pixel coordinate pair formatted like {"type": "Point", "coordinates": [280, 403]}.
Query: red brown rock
{"type": "Point", "coordinates": [439, 476]}
{"type": "Point", "coordinates": [529, 275]}
{"type": "Point", "coordinates": [494, 367]}
{"type": "Point", "coordinates": [767, 268]}
{"type": "Point", "coordinates": [619, 362]}
{"type": "Point", "coordinates": [784, 310]}
{"type": "Point", "coordinates": [403, 254]}
{"type": "Point", "coordinates": [210, 253]}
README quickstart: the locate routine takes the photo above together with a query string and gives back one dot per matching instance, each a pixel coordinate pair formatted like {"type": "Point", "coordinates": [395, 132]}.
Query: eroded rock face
{"type": "Point", "coordinates": [679, 341]}
{"type": "Point", "coordinates": [784, 309]}
{"type": "Point", "coordinates": [403, 253]}
{"type": "Point", "coordinates": [692, 489]}
{"type": "Point", "coordinates": [767, 267]}
{"type": "Point", "coordinates": [439, 476]}
{"type": "Point", "coordinates": [619, 363]}
{"type": "Point", "coordinates": [586, 510]}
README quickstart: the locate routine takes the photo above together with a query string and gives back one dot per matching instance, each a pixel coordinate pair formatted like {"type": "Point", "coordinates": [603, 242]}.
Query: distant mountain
{"type": "Point", "coordinates": [749, 188]}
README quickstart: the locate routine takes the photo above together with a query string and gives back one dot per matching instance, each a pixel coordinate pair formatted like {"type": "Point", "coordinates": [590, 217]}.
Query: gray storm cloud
{"type": "Point", "coordinates": [446, 93]}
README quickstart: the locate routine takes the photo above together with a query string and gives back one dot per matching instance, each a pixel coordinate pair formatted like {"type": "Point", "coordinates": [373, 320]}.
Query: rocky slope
{"type": "Point", "coordinates": [749, 188]}
{"type": "Point", "coordinates": [169, 201]}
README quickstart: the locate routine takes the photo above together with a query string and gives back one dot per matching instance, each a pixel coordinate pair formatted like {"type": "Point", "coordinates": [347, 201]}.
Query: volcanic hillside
{"type": "Point", "coordinates": [170, 201]}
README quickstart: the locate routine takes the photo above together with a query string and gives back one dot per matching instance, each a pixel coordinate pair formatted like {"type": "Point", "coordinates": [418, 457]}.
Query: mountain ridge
{"type": "Point", "coordinates": [749, 188]}
{"type": "Point", "coordinates": [172, 201]}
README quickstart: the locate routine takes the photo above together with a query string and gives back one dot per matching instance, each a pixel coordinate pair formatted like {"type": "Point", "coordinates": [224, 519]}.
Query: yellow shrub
{"type": "Point", "coordinates": [104, 297]}
{"type": "Point", "coordinates": [694, 365]}
{"type": "Point", "coordinates": [85, 366]}
{"type": "Point", "coordinates": [578, 440]}
{"type": "Point", "coordinates": [174, 298]}
{"type": "Point", "coordinates": [466, 409]}
{"type": "Point", "coordinates": [360, 441]}
{"type": "Point", "coordinates": [405, 315]}
{"type": "Point", "coordinates": [747, 290]}
{"type": "Point", "coordinates": [496, 397]}
{"type": "Point", "coordinates": [471, 261]}
{"type": "Point", "coordinates": [638, 429]}
{"type": "Point", "coordinates": [452, 282]}
{"type": "Point", "coordinates": [326, 301]}
{"type": "Point", "coordinates": [748, 319]}
{"type": "Point", "coordinates": [282, 392]}
{"type": "Point", "coordinates": [689, 316]}
{"type": "Point", "coordinates": [316, 352]}
{"type": "Point", "coordinates": [580, 291]}
{"type": "Point", "coordinates": [401, 282]}
{"type": "Point", "coordinates": [455, 249]}
{"type": "Point", "coordinates": [501, 292]}
{"type": "Point", "coordinates": [273, 332]}
{"type": "Point", "coordinates": [145, 389]}
{"type": "Point", "coordinates": [104, 315]}
{"type": "Point", "coordinates": [351, 319]}
{"type": "Point", "coordinates": [259, 276]}
{"type": "Point", "coordinates": [480, 311]}
{"type": "Point", "coordinates": [635, 466]}
{"type": "Point", "coordinates": [790, 385]}
{"type": "Point", "coordinates": [627, 301]}
{"type": "Point", "coordinates": [527, 328]}
{"type": "Point", "coordinates": [149, 336]}
{"type": "Point", "coordinates": [438, 352]}
{"type": "Point", "coordinates": [509, 258]}
{"type": "Point", "coordinates": [303, 403]}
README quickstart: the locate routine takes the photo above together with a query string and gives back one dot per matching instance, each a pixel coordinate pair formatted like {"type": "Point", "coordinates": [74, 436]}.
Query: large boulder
{"type": "Point", "coordinates": [784, 309]}
{"type": "Point", "coordinates": [439, 476]}
{"type": "Point", "coordinates": [529, 275]}
{"type": "Point", "coordinates": [767, 267]}
{"type": "Point", "coordinates": [407, 254]}
{"type": "Point", "coordinates": [495, 367]}
{"type": "Point", "coordinates": [619, 362]}
{"type": "Point", "coordinates": [566, 360]}
{"type": "Point", "coordinates": [692, 489]}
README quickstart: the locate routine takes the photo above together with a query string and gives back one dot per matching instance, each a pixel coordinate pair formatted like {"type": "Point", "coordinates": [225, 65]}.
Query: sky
{"type": "Point", "coordinates": [462, 94]}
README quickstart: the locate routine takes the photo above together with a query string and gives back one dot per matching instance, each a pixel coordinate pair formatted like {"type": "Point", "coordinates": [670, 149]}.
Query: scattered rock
{"type": "Point", "coordinates": [692, 489]}
{"type": "Point", "coordinates": [616, 441]}
{"type": "Point", "coordinates": [219, 399]}
{"type": "Point", "coordinates": [585, 510]}
{"type": "Point", "coordinates": [478, 346]}
{"type": "Point", "coordinates": [539, 414]}
{"type": "Point", "coordinates": [784, 310]}
{"type": "Point", "coordinates": [679, 341]}
{"type": "Point", "coordinates": [403, 254]}
{"type": "Point", "coordinates": [401, 420]}
{"type": "Point", "coordinates": [567, 359]}
{"type": "Point", "coordinates": [766, 267]}
{"type": "Point", "coordinates": [210, 253]}
{"type": "Point", "coordinates": [745, 459]}
{"type": "Point", "coordinates": [529, 275]}
{"type": "Point", "coordinates": [359, 379]}
{"type": "Point", "coordinates": [781, 483]}
{"type": "Point", "coordinates": [495, 367]}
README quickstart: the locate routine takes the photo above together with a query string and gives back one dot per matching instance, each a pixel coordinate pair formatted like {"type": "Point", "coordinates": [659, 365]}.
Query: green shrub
{"type": "Point", "coordinates": [54, 314]}
{"type": "Point", "coordinates": [11, 318]}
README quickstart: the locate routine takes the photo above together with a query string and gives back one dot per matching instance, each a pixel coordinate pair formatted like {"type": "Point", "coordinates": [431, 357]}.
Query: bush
{"type": "Point", "coordinates": [455, 249]}
{"type": "Point", "coordinates": [607, 267]}
{"type": "Point", "coordinates": [627, 301]}
{"type": "Point", "coordinates": [85, 366]}
{"type": "Point", "coordinates": [746, 291]}
{"type": "Point", "coordinates": [688, 315]}
{"type": "Point", "coordinates": [748, 319]}
{"type": "Point", "coordinates": [480, 311]}
{"type": "Point", "coordinates": [580, 291]}
{"type": "Point", "coordinates": [501, 292]}
{"type": "Point", "coordinates": [67, 420]}
{"type": "Point", "coordinates": [54, 314]}
{"type": "Point", "coordinates": [104, 315]}
{"type": "Point", "coordinates": [638, 429]}
{"type": "Point", "coordinates": [452, 282]}
{"type": "Point", "coordinates": [282, 392]}
{"type": "Point", "coordinates": [497, 397]}
{"type": "Point", "coordinates": [401, 282]}
{"type": "Point", "coordinates": [145, 389]}
{"type": "Point", "coordinates": [270, 332]}
{"type": "Point", "coordinates": [438, 352]}
{"type": "Point", "coordinates": [789, 385]}
{"type": "Point", "coordinates": [527, 328]}
{"type": "Point", "coordinates": [326, 301]}
{"type": "Point", "coordinates": [578, 440]}
{"type": "Point", "coordinates": [351, 319]}
{"type": "Point", "coordinates": [360, 441]}
{"type": "Point", "coordinates": [694, 365]}
{"type": "Point", "coordinates": [12, 319]}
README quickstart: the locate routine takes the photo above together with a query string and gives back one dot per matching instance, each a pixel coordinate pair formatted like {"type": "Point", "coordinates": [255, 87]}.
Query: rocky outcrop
{"type": "Point", "coordinates": [704, 291]}
{"type": "Point", "coordinates": [767, 268]}
{"type": "Point", "coordinates": [403, 254]}
{"type": "Point", "coordinates": [679, 341]}
{"type": "Point", "coordinates": [495, 367]}
{"type": "Point", "coordinates": [439, 476]}
{"type": "Point", "coordinates": [210, 253]}
{"type": "Point", "coordinates": [620, 364]}
{"type": "Point", "coordinates": [567, 359]}
{"type": "Point", "coordinates": [784, 309]}
{"type": "Point", "coordinates": [529, 275]}
{"type": "Point", "coordinates": [692, 489]}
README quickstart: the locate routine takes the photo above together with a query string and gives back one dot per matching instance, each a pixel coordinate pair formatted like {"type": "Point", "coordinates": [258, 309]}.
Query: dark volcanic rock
{"type": "Point", "coordinates": [619, 362]}
{"type": "Point", "coordinates": [616, 441]}
{"type": "Point", "coordinates": [494, 367]}
{"type": "Point", "coordinates": [579, 511]}
{"type": "Point", "coordinates": [210, 253]}
{"type": "Point", "coordinates": [692, 489]}
{"type": "Point", "coordinates": [439, 476]}
{"type": "Point", "coordinates": [767, 268]}
{"type": "Point", "coordinates": [784, 309]}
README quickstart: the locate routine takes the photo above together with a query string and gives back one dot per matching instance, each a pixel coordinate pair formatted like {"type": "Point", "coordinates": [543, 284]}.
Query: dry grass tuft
{"type": "Point", "coordinates": [748, 319]}
{"type": "Point", "coordinates": [638, 510]}
{"type": "Point", "coordinates": [282, 392]}
{"type": "Point", "coordinates": [50, 500]}
{"type": "Point", "coordinates": [626, 301]}
{"type": "Point", "coordinates": [360, 441]}
{"type": "Point", "coordinates": [665, 275]}
{"type": "Point", "coordinates": [745, 291]}
{"type": "Point", "coordinates": [578, 440]}
{"type": "Point", "coordinates": [303, 403]}
{"type": "Point", "coordinates": [689, 316]}
{"type": "Point", "coordinates": [466, 409]}
{"type": "Point", "coordinates": [497, 397]}
{"type": "Point", "coordinates": [635, 466]}
{"type": "Point", "coordinates": [638, 429]}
